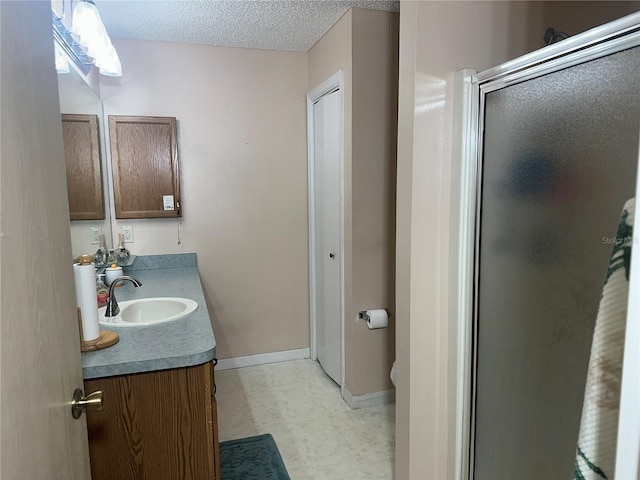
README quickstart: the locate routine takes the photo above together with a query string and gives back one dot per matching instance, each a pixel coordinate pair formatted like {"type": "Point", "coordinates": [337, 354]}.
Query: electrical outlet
{"type": "Point", "coordinates": [127, 231]}
{"type": "Point", "coordinates": [95, 235]}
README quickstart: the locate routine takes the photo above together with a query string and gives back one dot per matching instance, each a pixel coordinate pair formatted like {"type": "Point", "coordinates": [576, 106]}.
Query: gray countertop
{"type": "Point", "coordinates": [181, 343]}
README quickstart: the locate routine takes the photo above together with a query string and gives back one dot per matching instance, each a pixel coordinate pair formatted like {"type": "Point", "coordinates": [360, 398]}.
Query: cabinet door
{"type": "Point", "coordinates": [144, 157]}
{"type": "Point", "coordinates": [154, 425]}
{"type": "Point", "coordinates": [82, 156]}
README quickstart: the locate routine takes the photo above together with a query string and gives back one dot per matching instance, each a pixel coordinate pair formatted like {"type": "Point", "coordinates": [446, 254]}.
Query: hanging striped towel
{"type": "Point", "coordinates": [596, 449]}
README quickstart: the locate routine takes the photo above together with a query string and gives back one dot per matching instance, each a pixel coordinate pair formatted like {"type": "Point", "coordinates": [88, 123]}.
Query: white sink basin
{"type": "Point", "coordinates": [149, 311]}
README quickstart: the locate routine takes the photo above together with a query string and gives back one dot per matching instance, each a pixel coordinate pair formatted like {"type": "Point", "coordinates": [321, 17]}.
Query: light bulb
{"type": "Point", "coordinates": [62, 65]}
{"type": "Point", "coordinates": [111, 66]}
{"type": "Point", "coordinates": [86, 21]}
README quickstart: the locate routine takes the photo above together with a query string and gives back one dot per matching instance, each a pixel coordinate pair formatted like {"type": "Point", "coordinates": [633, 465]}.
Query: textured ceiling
{"type": "Point", "coordinates": [292, 25]}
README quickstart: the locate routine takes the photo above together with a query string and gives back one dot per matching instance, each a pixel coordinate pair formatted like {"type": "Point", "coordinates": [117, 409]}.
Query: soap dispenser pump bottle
{"type": "Point", "coordinates": [102, 291]}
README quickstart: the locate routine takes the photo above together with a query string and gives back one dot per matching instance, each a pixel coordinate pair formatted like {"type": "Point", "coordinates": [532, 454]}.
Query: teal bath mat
{"type": "Point", "coordinates": [252, 458]}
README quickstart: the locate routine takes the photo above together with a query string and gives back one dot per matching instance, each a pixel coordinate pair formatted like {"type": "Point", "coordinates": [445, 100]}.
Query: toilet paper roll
{"type": "Point", "coordinates": [87, 299]}
{"type": "Point", "coordinates": [377, 318]}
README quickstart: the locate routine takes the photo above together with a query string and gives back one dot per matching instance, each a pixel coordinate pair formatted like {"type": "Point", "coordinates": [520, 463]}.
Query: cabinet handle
{"type": "Point", "coordinates": [93, 401]}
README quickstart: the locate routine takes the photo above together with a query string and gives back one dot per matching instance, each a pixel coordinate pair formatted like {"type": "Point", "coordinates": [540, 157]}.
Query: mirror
{"type": "Point", "coordinates": [76, 97]}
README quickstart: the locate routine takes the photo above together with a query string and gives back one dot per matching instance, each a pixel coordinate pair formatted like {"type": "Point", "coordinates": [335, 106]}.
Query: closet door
{"type": "Point", "coordinates": [326, 113]}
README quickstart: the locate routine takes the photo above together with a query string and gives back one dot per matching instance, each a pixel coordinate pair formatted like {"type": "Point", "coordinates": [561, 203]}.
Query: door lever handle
{"type": "Point", "coordinates": [94, 401]}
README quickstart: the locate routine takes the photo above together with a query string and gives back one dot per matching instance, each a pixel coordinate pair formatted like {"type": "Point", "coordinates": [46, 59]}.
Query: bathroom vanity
{"type": "Point", "coordinates": [159, 419]}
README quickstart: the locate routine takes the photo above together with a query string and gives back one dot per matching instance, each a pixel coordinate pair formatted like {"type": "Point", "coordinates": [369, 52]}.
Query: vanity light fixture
{"type": "Point", "coordinates": [89, 29]}
{"type": "Point", "coordinates": [88, 42]}
{"type": "Point", "coordinates": [64, 42]}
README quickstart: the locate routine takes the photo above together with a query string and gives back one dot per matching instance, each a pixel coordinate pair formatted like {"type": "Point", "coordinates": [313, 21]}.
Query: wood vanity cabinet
{"type": "Point", "coordinates": [82, 158]}
{"type": "Point", "coordinates": [155, 425]}
{"type": "Point", "coordinates": [144, 158]}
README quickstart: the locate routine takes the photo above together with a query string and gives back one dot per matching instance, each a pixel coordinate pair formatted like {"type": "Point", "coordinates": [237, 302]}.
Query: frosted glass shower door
{"type": "Point", "coordinates": [559, 161]}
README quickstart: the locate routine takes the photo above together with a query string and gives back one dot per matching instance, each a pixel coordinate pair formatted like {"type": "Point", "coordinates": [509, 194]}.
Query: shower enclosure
{"type": "Point", "coordinates": [558, 152]}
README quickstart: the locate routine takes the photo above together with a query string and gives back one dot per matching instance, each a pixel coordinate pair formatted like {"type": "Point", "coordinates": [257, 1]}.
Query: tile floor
{"type": "Point", "coordinates": [318, 435]}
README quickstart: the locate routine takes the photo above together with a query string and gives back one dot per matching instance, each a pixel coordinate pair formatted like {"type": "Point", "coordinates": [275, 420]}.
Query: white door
{"type": "Point", "coordinates": [39, 341]}
{"type": "Point", "coordinates": [326, 114]}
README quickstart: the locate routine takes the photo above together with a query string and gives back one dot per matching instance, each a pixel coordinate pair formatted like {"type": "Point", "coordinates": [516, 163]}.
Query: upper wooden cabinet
{"type": "Point", "coordinates": [144, 157]}
{"type": "Point", "coordinates": [82, 156]}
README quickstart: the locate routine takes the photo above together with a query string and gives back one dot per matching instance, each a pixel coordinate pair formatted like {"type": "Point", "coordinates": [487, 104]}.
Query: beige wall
{"type": "Point", "coordinates": [567, 17]}
{"type": "Point", "coordinates": [363, 43]}
{"type": "Point", "coordinates": [242, 148]}
{"type": "Point", "coordinates": [436, 39]}
{"type": "Point", "coordinates": [334, 52]}
{"type": "Point", "coordinates": [40, 351]}
{"type": "Point", "coordinates": [370, 353]}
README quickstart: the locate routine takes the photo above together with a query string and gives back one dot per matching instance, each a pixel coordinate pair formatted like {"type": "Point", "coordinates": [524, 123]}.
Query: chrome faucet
{"type": "Point", "coordinates": [112, 305]}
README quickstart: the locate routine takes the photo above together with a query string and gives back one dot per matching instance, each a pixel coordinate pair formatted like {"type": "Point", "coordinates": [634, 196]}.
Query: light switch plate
{"type": "Point", "coordinates": [127, 231]}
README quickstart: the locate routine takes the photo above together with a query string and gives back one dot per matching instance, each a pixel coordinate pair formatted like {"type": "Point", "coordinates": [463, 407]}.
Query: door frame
{"type": "Point", "coordinates": [334, 83]}
{"type": "Point", "coordinates": [470, 92]}
{"type": "Point", "coordinates": [628, 447]}
{"type": "Point", "coordinates": [462, 271]}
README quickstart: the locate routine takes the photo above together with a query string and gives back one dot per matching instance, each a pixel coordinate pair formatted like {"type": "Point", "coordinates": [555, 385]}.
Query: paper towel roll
{"type": "Point", "coordinates": [87, 299]}
{"type": "Point", "coordinates": [377, 318]}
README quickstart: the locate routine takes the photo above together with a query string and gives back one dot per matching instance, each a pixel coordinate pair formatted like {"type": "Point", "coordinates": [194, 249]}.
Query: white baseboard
{"type": "Point", "coordinates": [262, 359]}
{"type": "Point", "coordinates": [368, 399]}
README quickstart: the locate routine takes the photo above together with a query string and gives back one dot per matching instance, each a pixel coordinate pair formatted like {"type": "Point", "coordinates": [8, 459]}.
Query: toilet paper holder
{"type": "Point", "coordinates": [363, 314]}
